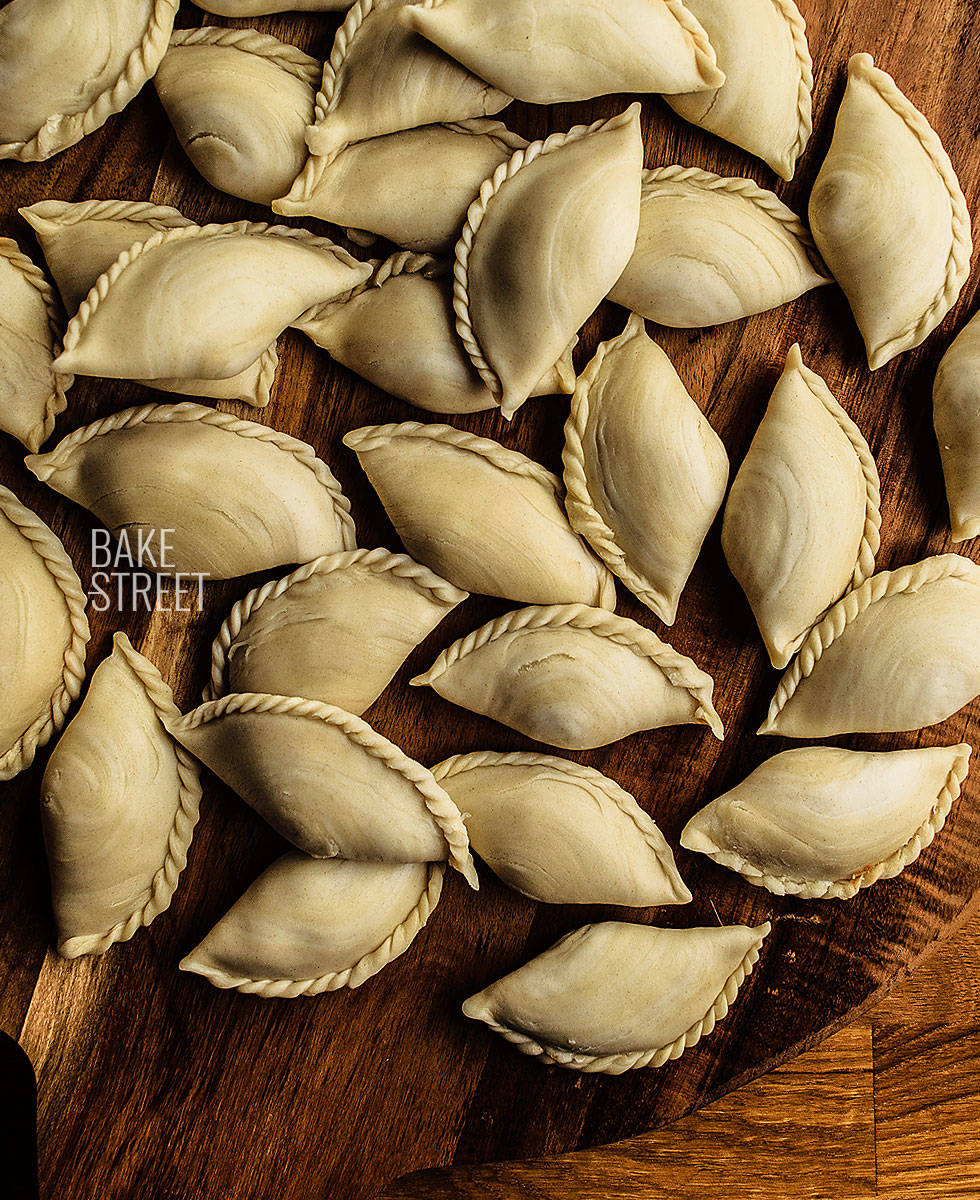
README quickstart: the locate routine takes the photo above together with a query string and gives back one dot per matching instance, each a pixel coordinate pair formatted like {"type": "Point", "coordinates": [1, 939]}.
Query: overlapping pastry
{"type": "Point", "coordinates": [611, 997]}
{"type": "Point", "coordinates": [119, 802]}
{"type": "Point", "coordinates": [822, 823]}
{"type": "Point", "coordinates": [573, 676]}
{"type": "Point", "coordinates": [956, 413]}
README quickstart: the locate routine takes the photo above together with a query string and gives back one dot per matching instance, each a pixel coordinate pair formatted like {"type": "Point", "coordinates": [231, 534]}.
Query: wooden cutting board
{"type": "Point", "coordinates": [153, 1084]}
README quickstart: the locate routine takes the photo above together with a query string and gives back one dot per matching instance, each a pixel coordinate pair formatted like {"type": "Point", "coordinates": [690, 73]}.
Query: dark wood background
{"type": "Point", "coordinates": [153, 1084]}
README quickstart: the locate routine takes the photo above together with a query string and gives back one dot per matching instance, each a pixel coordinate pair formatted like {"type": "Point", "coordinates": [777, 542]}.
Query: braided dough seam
{"type": "Point", "coordinates": [283, 55]}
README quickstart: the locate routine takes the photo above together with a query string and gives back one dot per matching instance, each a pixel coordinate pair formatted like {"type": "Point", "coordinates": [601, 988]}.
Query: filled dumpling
{"type": "Point", "coordinates": [573, 676]}
{"type": "Point", "coordinates": [956, 412]}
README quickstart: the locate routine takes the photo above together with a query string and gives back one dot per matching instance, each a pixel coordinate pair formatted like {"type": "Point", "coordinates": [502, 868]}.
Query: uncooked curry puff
{"type": "Point", "coordinates": [956, 412]}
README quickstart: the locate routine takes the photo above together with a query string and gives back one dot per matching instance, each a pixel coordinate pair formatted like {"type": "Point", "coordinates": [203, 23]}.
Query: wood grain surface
{"type": "Point", "coordinates": [152, 1084]}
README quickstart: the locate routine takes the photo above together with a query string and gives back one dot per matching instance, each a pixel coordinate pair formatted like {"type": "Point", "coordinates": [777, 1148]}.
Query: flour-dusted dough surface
{"type": "Point", "coordinates": [956, 413]}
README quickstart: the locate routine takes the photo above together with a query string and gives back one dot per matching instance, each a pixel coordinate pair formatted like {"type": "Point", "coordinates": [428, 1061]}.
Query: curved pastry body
{"type": "Point", "coordinates": [956, 413]}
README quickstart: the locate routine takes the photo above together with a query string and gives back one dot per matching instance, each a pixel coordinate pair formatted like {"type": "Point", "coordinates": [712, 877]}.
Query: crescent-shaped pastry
{"type": "Point", "coordinates": [67, 65]}
{"type": "Point", "coordinates": [43, 634]}
{"type": "Point", "coordinates": [802, 519]}
{"type": "Point", "coordinates": [764, 105]}
{"type": "Point", "coordinates": [888, 215]}
{"type": "Point", "coordinates": [613, 996]}
{"type": "Point", "coordinates": [259, 8]}
{"type": "Point", "coordinates": [900, 652]}
{"type": "Point", "coordinates": [306, 633]}
{"type": "Point", "coordinates": [822, 823]}
{"type": "Point", "coordinates": [32, 393]}
{"type": "Point", "coordinates": [488, 519]}
{"type": "Point", "coordinates": [711, 250]}
{"type": "Point", "coordinates": [553, 51]}
{"type": "Point", "coordinates": [956, 413]}
{"type": "Point", "coordinates": [573, 676]}
{"type": "Point", "coordinates": [326, 781]}
{"type": "Point", "coordinates": [231, 496]}
{"type": "Point", "coordinates": [645, 472]}
{"type": "Point", "coordinates": [549, 234]}
{"type": "Point", "coordinates": [119, 802]}
{"type": "Point", "coordinates": [560, 832]}
{"type": "Point", "coordinates": [312, 925]}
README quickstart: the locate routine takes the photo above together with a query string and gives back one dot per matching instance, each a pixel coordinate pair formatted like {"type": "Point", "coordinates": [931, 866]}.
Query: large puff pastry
{"type": "Point", "coordinates": [764, 105]}
{"type": "Point", "coordinates": [900, 652]}
{"type": "Point", "coordinates": [645, 472]}
{"type": "Point", "coordinates": [312, 925]}
{"type": "Point", "coordinates": [711, 250]}
{"type": "Point", "coordinates": [802, 520]}
{"type": "Point", "coordinates": [573, 676]}
{"type": "Point", "coordinates": [488, 519]}
{"type": "Point", "coordinates": [956, 413]}
{"type": "Point", "coordinates": [553, 51]}
{"type": "Point", "coordinates": [822, 823]}
{"type": "Point", "coordinates": [888, 215]}
{"type": "Point", "coordinates": [67, 65]}
{"type": "Point", "coordinates": [549, 234]}
{"type": "Point", "coordinates": [326, 780]}
{"type": "Point", "coordinates": [119, 802]}
{"type": "Point", "coordinates": [43, 634]}
{"type": "Point", "coordinates": [32, 394]}
{"type": "Point", "coordinates": [613, 996]}
{"type": "Point", "coordinates": [305, 634]}
{"type": "Point", "coordinates": [230, 496]}
{"type": "Point", "coordinates": [560, 832]}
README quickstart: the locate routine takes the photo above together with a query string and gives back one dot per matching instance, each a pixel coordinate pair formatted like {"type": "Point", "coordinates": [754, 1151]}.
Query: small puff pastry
{"type": "Point", "coordinates": [802, 520]}
{"type": "Point", "coordinates": [573, 676]}
{"type": "Point", "coordinates": [888, 215]}
{"type": "Point", "coordinates": [711, 250]}
{"type": "Point", "coordinates": [645, 472]}
{"type": "Point", "coordinates": [67, 65]}
{"type": "Point", "coordinates": [549, 234]}
{"type": "Point", "coordinates": [611, 997]}
{"type": "Point", "coordinates": [560, 832]}
{"type": "Point", "coordinates": [234, 497]}
{"type": "Point", "coordinates": [900, 652]}
{"type": "Point", "coordinates": [822, 823]}
{"type": "Point", "coordinates": [312, 925]}
{"type": "Point", "coordinates": [119, 803]}
{"type": "Point", "coordinates": [488, 519]}
{"type": "Point", "coordinates": [326, 781]}
{"type": "Point", "coordinates": [956, 413]}
{"type": "Point", "coordinates": [306, 633]}
{"type": "Point", "coordinates": [43, 634]}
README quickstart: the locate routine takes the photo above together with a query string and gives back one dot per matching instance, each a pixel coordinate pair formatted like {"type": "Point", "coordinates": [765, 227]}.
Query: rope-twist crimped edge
{"type": "Point", "coordinates": [402, 262]}
{"type": "Point", "coordinates": [164, 883]}
{"type": "Point", "coordinates": [804, 97]}
{"type": "Point", "coordinates": [397, 942]}
{"type": "Point", "coordinates": [680, 670]}
{"type": "Point", "coordinates": [616, 1064]}
{"type": "Point", "coordinates": [850, 607]}
{"type": "Point", "coordinates": [48, 546]}
{"type": "Point", "coordinates": [73, 212]}
{"type": "Point", "coordinates": [379, 561]}
{"type": "Point", "coordinates": [887, 868]}
{"type": "Point", "coordinates": [45, 465]}
{"type": "Point", "coordinates": [62, 130]}
{"type": "Point", "coordinates": [705, 58]}
{"type": "Point", "coordinates": [287, 57]}
{"type": "Point", "coordinates": [436, 800]}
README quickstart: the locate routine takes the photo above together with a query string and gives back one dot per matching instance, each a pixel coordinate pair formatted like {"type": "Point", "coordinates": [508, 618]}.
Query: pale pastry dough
{"type": "Point", "coordinates": [900, 652]}
{"type": "Point", "coordinates": [610, 997]}
{"type": "Point", "coordinates": [553, 51]}
{"type": "Point", "coordinates": [560, 832]}
{"type": "Point", "coordinates": [549, 234]}
{"type": "Point", "coordinates": [43, 634]}
{"type": "Point", "coordinates": [822, 823]}
{"type": "Point", "coordinates": [711, 250]}
{"type": "Point", "coordinates": [573, 676]}
{"type": "Point", "coordinates": [326, 780]}
{"type": "Point", "coordinates": [336, 629]}
{"type": "Point", "coordinates": [765, 104]}
{"type": "Point", "coordinates": [645, 472]}
{"type": "Point", "coordinates": [259, 8]}
{"type": "Point", "coordinates": [486, 518]}
{"type": "Point", "coordinates": [119, 802]}
{"type": "Point", "coordinates": [32, 394]}
{"type": "Point", "coordinates": [236, 497]}
{"type": "Point", "coordinates": [888, 215]}
{"type": "Point", "coordinates": [802, 519]}
{"type": "Point", "coordinates": [956, 413]}
{"type": "Point", "coordinates": [312, 925]}
{"type": "Point", "coordinates": [67, 65]}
